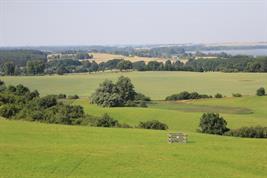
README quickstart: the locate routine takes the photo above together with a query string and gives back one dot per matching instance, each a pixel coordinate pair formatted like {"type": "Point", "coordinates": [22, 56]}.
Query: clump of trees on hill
{"type": "Point", "coordinates": [121, 93]}
{"type": "Point", "coordinates": [187, 96]}
{"type": "Point", "coordinates": [213, 123]}
{"type": "Point", "coordinates": [18, 102]}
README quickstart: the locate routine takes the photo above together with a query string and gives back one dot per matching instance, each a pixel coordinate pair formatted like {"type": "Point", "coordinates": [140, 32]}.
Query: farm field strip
{"type": "Point", "coordinates": [157, 85]}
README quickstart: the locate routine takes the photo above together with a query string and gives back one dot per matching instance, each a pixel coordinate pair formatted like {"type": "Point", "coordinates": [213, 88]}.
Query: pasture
{"type": "Point", "coordinates": [32, 149]}
{"type": "Point", "coordinates": [184, 116]}
{"type": "Point", "coordinates": [157, 85]}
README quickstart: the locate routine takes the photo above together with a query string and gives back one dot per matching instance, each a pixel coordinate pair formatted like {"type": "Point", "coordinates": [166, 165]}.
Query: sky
{"type": "Point", "coordinates": [114, 22]}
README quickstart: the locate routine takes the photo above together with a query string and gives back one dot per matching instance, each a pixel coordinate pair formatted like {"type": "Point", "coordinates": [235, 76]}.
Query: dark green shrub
{"type": "Point", "coordinates": [186, 96]}
{"type": "Point", "coordinates": [61, 96]}
{"type": "Point", "coordinates": [130, 104]}
{"type": "Point", "coordinates": [212, 123]}
{"type": "Point", "coordinates": [37, 115]}
{"type": "Point", "coordinates": [8, 110]}
{"type": "Point", "coordinates": [33, 94]}
{"type": "Point", "coordinates": [106, 121]}
{"type": "Point", "coordinates": [249, 132]}
{"type": "Point", "coordinates": [11, 89]}
{"type": "Point", "coordinates": [86, 120]}
{"type": "Point", "coordinates": [47, 101]}
{"type": "Point", "coordinates": [2, 87]}
{"type": "Point", "coordinates": [7, 98]}
{"type": "Point", "coordinates": [261, 92]}
{"type": "Point", "coordinates": [21, 90]}
{"type": "Point", "coordinates": [142, 104]}
{"type": "Point", "coordinates": [73, 97]}
{"type": "Point", "coordinates": [141, 97]}
{"type": "Point", "coordinates": [64, 114]}
{"type": "Point", "coordinates": [218, 95]}
{"type": "Point", "coordinates": [237, 95]}
{"type": "Point", "coordinates": [154, 124]}
{"type": "Point", "coordinates": [123, 125]}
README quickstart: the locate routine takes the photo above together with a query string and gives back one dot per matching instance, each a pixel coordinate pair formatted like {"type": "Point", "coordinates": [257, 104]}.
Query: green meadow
{"type": "Point", "coordinates": [42, 150]}
{"type": "Point", "coordinates": [31, 149]}
{"type": "Point", "coordinates": [157, 85]}
{"type": "Point", "coordinates": [184, 116]}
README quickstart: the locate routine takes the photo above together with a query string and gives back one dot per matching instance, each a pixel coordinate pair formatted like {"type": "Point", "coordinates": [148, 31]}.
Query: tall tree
{"type": "Point", "coordinates": [125, 89]}
{"type": "Point", "coordinates": [35, 67]}
{"type": "Point", "coordinates": [125, 65]}
{"type": "Point", "coordinates": [9, 68]}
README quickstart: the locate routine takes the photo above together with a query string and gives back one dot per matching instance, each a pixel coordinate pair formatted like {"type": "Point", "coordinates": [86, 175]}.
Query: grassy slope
{"type": "Point", "coordinates": [154, 84]}
{"type": "Point", "coordinates": [42, 150]}
{"type": "Point", "coordinates": [174, 115]}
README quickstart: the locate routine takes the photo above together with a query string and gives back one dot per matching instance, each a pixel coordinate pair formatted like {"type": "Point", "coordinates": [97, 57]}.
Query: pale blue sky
{"type": "Point", "coordinates": [101, 22]}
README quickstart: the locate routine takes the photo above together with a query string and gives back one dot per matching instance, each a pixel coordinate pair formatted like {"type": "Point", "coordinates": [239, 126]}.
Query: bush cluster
{"type": "Point", "coordinates": [237, 95]}
{"type": "Point", "coordinates": [154, 124]}
{"type": "Point", "coordinates": [260, 92]}
{"type": "Point", "coordinates": [18, 102]}
{"type": "Point", "coordinates": [121, 93]}
{"type": "Point", "coordinates": [61, 96]}
{"type": "Point", "coordinates": [187, 96]}
{"type": "Point", "coordinates": [73, 97]}
{"type": "Point", "coordinates": [218, 95]}
{"type": "Point", "coordinates": [249, 132]}
{"type": "Point", "coordinates": [212, 123]}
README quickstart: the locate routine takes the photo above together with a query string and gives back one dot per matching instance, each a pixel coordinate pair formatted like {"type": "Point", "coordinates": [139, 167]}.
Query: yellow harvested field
{"type": "Point", "coordinates": [103, 57]}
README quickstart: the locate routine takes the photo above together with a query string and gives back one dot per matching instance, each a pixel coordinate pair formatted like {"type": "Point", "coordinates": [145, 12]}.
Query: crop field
{"type": "Point", "coordinates": [32, 149]}
{"type": "Point", "coordinates": [157, 85]}
{"type": "Point", "coordinates": [104, 57]}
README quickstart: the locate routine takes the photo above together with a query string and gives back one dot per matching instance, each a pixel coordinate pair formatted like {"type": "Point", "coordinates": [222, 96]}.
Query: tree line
{"type": "Point", "coordinates": [40, 67]}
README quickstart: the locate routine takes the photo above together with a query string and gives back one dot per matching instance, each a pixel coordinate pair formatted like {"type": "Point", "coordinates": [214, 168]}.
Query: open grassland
{"type": "Point", "coordinates": [51, 151]}
{"type": "Point", "coordinates": [157, 85]}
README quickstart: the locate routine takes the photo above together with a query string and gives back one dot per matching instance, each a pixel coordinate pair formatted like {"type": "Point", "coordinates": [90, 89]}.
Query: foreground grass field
{"type": "Point", "coordinates": [154, 84]}
{"type": "Point", "coordinates": [42, 150]}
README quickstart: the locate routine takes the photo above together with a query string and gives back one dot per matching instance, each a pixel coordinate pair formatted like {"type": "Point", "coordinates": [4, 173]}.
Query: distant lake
{"type": "Point", "coordinates": [252, 52]}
